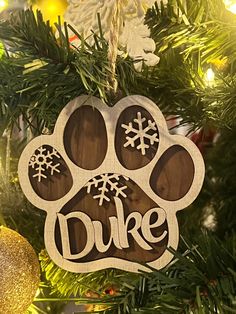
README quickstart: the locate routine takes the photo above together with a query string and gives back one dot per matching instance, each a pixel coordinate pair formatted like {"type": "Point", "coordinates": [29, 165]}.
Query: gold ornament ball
{"type": "Point", "coordinates": [19, 273]}
{"type": "Point", "coordinates": [51, 9]}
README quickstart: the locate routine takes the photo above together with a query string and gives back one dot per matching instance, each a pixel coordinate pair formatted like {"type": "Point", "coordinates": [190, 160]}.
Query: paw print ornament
{"type": "Point", "coordinates": [111, 180]}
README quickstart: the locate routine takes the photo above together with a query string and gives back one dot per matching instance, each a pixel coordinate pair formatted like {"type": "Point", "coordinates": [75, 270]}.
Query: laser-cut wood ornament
{"type": "Point", "coordinates": [111, 180]}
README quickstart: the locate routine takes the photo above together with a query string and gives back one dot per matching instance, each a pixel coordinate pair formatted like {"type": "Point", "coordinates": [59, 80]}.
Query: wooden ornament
{"type": "Point", "coordinates": [111, 180]}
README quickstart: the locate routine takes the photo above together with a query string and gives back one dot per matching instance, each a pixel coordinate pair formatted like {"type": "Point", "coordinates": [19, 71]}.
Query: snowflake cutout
{"type": "Point", "coordinates": [141, 133]}
{"type": "Point", "coordinates": [106, 183]}
{"type": "Point", "coordinates": [43, 160]}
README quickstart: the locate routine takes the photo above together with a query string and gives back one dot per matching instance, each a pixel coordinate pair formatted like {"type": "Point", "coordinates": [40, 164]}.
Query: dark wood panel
{"type": "Point", "coordinates": [85, 138]}
{"type": "Point", "coordinates": [130, 157]}
{"type": "Point", "coordinates": [173, 174]}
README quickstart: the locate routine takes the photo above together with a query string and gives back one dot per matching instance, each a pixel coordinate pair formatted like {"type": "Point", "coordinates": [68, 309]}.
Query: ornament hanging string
{"type": "Point", "coordinates": [113, 45]}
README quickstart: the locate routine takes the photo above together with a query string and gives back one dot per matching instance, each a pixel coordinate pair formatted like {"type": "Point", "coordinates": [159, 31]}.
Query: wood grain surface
{"type": "Point", "coordinates": [92, 140]}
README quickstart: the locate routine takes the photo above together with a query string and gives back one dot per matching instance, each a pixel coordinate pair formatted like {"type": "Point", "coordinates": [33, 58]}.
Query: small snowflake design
{"type": "Point", "coordinates": [142, 132]}
{"type": "Point", "coordinates": [107, 185]}
{"type": "Point", "coordinates": [45, 162]}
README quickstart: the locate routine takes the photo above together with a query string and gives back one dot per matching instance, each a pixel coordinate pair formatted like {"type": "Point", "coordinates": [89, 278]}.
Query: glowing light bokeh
{"type": "Point", "coordinates": [210, 77]}
{"type": "Point", "coordinates": [230, 5]}
{"type": "Point", "coordinates": [3, 5]}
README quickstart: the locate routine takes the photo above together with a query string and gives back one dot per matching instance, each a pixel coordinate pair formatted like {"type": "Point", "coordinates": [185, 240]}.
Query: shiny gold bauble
{"type": "Point", "coordinates": [51, 9]}
{"type": "Point", "coordinates": [19, 272]}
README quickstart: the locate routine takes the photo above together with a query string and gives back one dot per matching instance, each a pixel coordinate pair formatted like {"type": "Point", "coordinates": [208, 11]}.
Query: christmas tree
{"type": "Point", "coordinates": [182, 57]}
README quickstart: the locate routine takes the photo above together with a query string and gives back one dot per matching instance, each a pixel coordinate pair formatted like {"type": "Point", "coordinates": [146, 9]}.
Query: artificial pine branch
{"type": "Point", "coordinates": [202, 280]}
{"type": "Point", "coordinates": [96, 282]}
{"type": "Point", "coordinates": [45, 73]}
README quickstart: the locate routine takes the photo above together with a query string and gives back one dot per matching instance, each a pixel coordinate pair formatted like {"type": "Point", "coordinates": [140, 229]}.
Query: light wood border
{"type": "Point", "coordinates": [111, 164]}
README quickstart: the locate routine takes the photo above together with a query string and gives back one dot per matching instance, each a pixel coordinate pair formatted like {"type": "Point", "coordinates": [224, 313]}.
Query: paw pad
{"type": "Point", "coordinates": [111, 181]}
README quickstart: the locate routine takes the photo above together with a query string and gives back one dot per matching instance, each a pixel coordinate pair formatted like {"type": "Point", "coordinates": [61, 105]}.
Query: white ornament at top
{"type": "Point", "coordinates": [139, 46]}
{"type": "Point", "coordinates": [134, 34]}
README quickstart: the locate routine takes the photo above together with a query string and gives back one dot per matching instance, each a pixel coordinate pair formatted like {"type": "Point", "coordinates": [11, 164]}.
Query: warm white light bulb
{"type": "Point", "coordinates": [230, 5]}
{"type": "Point", "coordinates": [3, 4]}
{"type": "Point", "coordinates": [210, 77]}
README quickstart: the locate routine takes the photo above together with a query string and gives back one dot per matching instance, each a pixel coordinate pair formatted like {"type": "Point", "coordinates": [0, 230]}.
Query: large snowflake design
{"type": "Point", "coordinates": [107, 185]}
{"type": "Point", "coordinates": [45, 160]}
{"type": "Point", "coordinates": [143, 133]}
